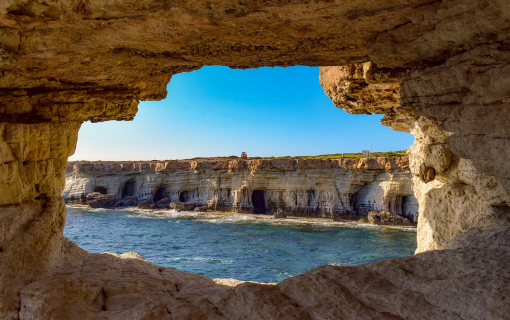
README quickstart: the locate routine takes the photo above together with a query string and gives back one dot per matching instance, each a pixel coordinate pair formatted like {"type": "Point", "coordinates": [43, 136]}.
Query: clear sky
{"type": "Point", "coordinates": [217, 111]}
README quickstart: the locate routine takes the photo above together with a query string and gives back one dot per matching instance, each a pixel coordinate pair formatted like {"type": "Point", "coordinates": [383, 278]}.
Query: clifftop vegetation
{"type": "Point", "coordinates": [400, 153]}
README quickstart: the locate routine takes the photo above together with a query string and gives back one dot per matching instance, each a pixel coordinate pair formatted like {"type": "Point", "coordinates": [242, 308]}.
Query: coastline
{"type": "Point", "coordinates": [239, 217]}
{"type": "Point", "coordinates": [346, 189]}
{"type": "Point", "coordinates": [245, 247]}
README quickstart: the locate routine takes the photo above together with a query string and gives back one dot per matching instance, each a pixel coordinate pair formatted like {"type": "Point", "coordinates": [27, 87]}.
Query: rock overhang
{"type": "Point", "coordinates": [113, 47]}
{"type": "Point", "coordinates": [65, 62]}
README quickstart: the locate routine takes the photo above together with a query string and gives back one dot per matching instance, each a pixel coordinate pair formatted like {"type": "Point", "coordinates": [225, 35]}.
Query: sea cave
{"type": "Point", "coordinates": [436, 69]}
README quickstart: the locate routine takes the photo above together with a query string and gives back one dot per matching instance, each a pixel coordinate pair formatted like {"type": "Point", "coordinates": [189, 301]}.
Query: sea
{"type": "Point", "coordinates": [249, 247]}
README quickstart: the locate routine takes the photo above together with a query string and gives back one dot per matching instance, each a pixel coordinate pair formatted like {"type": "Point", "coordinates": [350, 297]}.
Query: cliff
{"type": "Point", "coordinates": [346, 188]}
{"type": "Point", "coordinates": [439, 69]}
{"type": "Point", "coordinates": [455, 147]}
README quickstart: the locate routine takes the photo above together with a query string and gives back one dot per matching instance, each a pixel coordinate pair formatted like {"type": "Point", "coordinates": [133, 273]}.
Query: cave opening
{"type": "Point", "coordinates": [256, 136]}
{"type": "Point", "coordinates": [183, 196]}
{"type": "Point", "coordinates": [395, 205]}
{"type": "Point", "coordinates": [311, 198]}
{"type": "Point", "coordinates": [129, 189]}
{"type": "Point", "coordinates": [101, 190]}
{"type": "Point", "coordinates": [410, 207]}
{"type": "Point", "coordinates": [159, 194]}
{"type": "Point", "coordinates": [352, 200]}
{"type": "Point", "coordinates": [258, 201]}
{"type": "Point", "coordinates": [430, 49]}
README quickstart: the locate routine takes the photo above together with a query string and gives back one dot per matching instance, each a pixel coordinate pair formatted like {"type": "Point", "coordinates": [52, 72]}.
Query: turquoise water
{"type": "Point", "coordinates": [241, 246]}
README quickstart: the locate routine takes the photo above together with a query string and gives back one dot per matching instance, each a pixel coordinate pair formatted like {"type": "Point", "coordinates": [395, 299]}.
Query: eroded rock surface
{"type": "Point", "coordinates": [387, 218]}
{"type": "Point", "coordinates": [429, 285]}
{"type": "Point", "coordinates": [340, 188]}
{"type": "Point", "coordinates": [454, 104]}
{"type": "Point", "coordinates": [65, 62]}
{"type": "Point", "coordinates": [98, 200]}
{"type": "Point", "coordinates": [182, 206]}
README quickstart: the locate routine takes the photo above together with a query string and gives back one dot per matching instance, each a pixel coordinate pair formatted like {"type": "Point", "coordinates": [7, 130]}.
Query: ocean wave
{"type": "Point", "coordinates": [217, 217]}
{"type": "Point", "coordinates": [86, 209]}
{"type": "Point", "coordinates": [180, 259]}
{"type": "Point", "coordinates": [72, 205]}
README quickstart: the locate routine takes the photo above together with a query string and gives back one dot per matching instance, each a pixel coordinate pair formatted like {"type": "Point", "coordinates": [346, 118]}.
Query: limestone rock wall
{"type": "Point", "coordinates": [32, 172]}
{"type": "Point", "coordinates": [322, 188]}
{"type": "Point", "coordinates": [63, 62]}
{"type": "Point", "coordinates": [458, 196]}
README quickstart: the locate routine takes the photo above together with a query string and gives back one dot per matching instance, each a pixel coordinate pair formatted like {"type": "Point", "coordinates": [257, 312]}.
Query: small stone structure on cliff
{"type": "Point", "coordinates": [343, 188]}
{"type": "Point", "coordinates": [439, 69]}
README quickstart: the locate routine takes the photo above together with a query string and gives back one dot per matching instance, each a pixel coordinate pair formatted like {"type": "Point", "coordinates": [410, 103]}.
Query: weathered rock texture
{"type": "Point", "coordinates": [98, 200]}
{"type": "Point", "coordinates": [431, 284]}
{"type": "Point", "coordinates": [66, 61]}
{"type": "Point", "coordinates": [311, 188]}
{"type": "Point", "coordinates": [454, 135]}
{"type": "Point", "coordinates": [387, 218]}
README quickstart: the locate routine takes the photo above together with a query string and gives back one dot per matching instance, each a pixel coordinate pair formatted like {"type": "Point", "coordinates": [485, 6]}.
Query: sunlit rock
{"type": "Point", "coordinates": [386, 218]}
{"type": "Point", "coordinates": [339, 188]}
{"type": "Point", "coordinates": [65, 62]}
{"type": "Point", "coordinates": [98, 200]}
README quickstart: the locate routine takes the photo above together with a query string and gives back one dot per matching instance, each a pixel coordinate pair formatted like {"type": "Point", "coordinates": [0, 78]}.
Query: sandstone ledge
{"type": "Point", "coordinates": [113, 167]}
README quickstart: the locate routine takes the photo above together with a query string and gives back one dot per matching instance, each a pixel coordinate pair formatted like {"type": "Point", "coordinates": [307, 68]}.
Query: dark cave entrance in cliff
{"type": "Point", "coordinates": [395, 205]}
{"type": "Point", "coordinates": [159, 194]}
{"type": "Point", "coordinates": [410, 207]}
{"type": "Point", "coordinates": [258, 201]}
{"type": "Point", "coordinates": [183, 196]}
{"type": "Point", "coordinates": [129, 189]}
{"type": "Point", "coordinates": [101, 190]}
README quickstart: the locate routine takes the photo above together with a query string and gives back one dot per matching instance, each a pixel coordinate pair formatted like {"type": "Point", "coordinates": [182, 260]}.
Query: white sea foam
{"type": "Point", "coordinates": [217, 217]}
{"type": "Point", "coordinates": [200, 259]}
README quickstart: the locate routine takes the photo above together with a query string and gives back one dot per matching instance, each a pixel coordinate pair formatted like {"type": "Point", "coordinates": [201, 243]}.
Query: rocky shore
{"type": "Point", "coordinates": [437, 69]}
{"type": "Point", "coordinates": [344, 188]}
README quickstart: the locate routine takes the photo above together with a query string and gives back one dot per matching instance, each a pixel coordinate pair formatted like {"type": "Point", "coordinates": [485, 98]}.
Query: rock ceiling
{"type": "Point", "coordinates": [437, 69]}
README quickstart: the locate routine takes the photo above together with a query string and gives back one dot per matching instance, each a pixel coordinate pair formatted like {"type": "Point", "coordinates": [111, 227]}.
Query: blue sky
{"type": "Point", "coordinates": [217, 111]}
